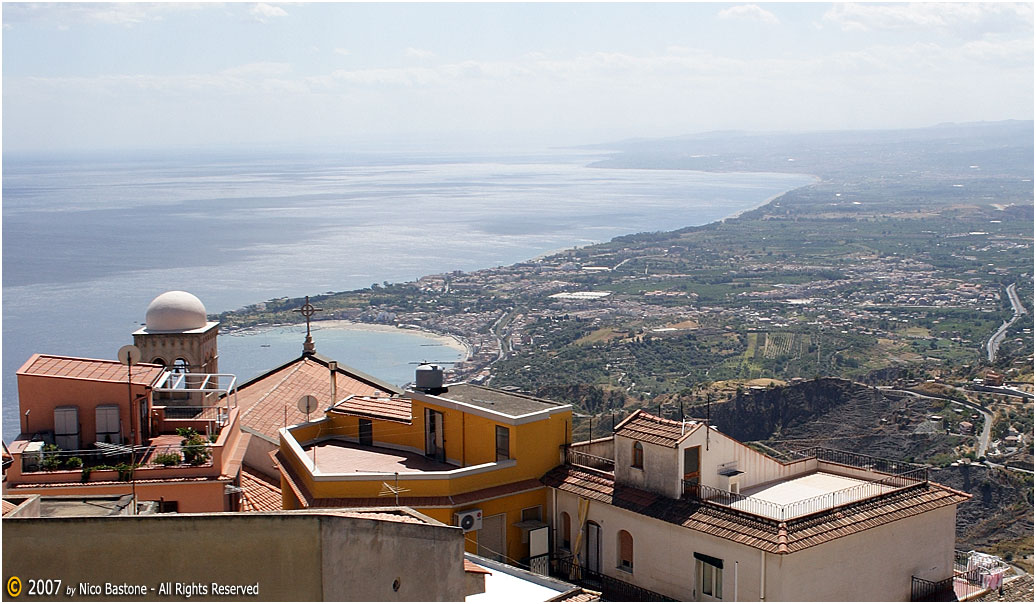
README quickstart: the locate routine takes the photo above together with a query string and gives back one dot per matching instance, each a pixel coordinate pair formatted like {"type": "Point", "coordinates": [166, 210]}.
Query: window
{"type": "Point", "coordinates": [503, 443]}
{"type": "Point", "coordinates": [625, 551]}
{"type": "Point", "coordinates": [638, 455]}
{"type": "Point", "coordinates": [566, 531]}
{"type": "Point", "coordinates": [691, 470]}
{"type": "Point", "coordinates": [711, 575]}
{"type": "Point", "coordinates": [181, 366]}
{"type": "Point", "coordinates": [366, 432]}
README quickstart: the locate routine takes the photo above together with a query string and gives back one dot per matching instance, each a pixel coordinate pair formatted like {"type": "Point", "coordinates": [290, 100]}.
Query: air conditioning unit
{"type": "Point", "coordinates": [469, 520]}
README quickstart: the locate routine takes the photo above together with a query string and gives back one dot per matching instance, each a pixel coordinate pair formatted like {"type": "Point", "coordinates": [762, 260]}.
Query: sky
{"type": "Point", "coordinates": [84, 76]}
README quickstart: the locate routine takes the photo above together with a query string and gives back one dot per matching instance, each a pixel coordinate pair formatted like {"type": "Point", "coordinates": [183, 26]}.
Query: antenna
{"type": "Point", "coordinates": [387, 489]}
{"type": "Point", "coordinates": [129, 355]}
{"type": "Point", "coordinates": [708, 418]}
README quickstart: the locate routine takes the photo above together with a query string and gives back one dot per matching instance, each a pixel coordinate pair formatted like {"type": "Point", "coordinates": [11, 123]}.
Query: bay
{"type": "Point", "coordinates": [88, 241]}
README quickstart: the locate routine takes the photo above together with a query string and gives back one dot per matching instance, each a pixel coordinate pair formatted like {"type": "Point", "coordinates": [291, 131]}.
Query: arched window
{"type": "Point", "coordinates": [159, 361]}
{"type": "Point", "coordinates": [566, 531]}
{"type": "Point", "coordinates": [638, 455]}
{"type": "Point", "coordinates": [625, 551]}
{"type": "Point", "coordinates": [181, 366]}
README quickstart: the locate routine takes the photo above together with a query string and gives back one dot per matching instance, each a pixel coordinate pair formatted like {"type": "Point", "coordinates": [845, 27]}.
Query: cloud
{"type": "Point", "coordinates": [750, 12]}
{"type": "Point", "coordinates": [942, 15]}
{"type": "Point", "coordinates": [259, 69]}
{"type": "Point", "coordinates": [263, 12]}
{"type": "Point", "coordinates": [65, 15]}
{"type": "Point", "coordinates": [418, 53]}
{"type": "Point", "coordinates": [345, 52]}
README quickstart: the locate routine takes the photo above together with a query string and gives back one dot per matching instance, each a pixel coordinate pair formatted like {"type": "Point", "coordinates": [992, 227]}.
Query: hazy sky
{"type": "Point", "coordinates": [83, 76]}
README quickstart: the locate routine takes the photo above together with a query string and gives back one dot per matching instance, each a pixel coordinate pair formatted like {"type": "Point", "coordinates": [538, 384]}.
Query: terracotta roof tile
{"type": "Point", "coordinates": [260, 492]}
{"type": "Point", "coordinates": [269, 402]}
{"type": "Point", "coordinates": [396, 408]}
{"type": "Point", "coordinates": [756, 531]}
{"type": "Point", "coordinates": [471, 567]}
{"type": "Point", "coordinates": [144, 374]}
{"type": "Point", "coordinates": [649, 428]}
{"type": "Point", "coordinates": [8, 507]}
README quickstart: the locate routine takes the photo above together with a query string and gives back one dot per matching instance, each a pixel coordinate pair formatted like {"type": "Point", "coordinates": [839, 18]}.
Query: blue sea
{"type": "Point", "coordinates": [89, 240]}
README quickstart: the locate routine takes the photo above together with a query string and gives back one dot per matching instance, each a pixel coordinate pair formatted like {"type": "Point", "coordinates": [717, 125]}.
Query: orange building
{"type": "Point", "coordinates": [91, 427]}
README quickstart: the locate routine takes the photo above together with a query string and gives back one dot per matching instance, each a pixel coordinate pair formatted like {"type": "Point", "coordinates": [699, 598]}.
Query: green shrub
{"type": "Point", "coordinates": [193, 445]}
{"type": "Point", "coordinates": [73, 463]}
{"type": "Point", "coordinates": [168, 459]}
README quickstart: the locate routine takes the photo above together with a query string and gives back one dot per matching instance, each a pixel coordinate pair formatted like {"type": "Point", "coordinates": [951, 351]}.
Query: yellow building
{"type": "Point", "coordinates": [465, 455]}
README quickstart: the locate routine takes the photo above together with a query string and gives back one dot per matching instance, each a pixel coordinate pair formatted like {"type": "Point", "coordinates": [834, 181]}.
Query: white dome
{"type": "Point", "coordinates": [176, 311]}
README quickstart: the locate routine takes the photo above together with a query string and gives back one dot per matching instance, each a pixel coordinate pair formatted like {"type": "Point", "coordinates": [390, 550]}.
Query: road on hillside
{"type": "Point", "coordinates": [994, 342]}
{"type": "Point", "coordinates": [987, 418]}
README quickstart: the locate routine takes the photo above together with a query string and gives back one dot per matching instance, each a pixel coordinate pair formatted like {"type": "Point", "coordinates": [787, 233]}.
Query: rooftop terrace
{"type": "Point", "coordinates": [342, 457]}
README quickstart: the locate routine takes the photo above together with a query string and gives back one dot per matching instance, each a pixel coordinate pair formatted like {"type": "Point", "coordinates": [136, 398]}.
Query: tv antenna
{"type": "Point", "coordinates": [387, 489]}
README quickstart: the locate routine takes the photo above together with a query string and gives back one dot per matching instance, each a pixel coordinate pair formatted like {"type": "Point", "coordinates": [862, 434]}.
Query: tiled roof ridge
{"type": "Point", "coordinates": [355, 373]}
{"type": "Point", "coordinates": [270, 391]}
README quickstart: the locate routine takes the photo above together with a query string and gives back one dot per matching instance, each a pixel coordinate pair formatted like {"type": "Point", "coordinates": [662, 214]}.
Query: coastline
{"type": "Point", "coordinates": [455, 342]}
{"type": "Point", "coordinates": [768, 201]}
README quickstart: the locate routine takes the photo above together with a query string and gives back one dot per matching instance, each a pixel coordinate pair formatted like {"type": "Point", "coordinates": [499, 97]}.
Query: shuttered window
{"type": "Point", "coordinates": [503, 443]}
{"type": "Point", "coordinates": [625, 551]}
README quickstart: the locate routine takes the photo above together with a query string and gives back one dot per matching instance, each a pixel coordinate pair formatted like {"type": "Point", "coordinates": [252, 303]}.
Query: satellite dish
{"type": "Point", "coordinates": [129, 355]}
{"type": "Point", "coordinates": [307, 404]}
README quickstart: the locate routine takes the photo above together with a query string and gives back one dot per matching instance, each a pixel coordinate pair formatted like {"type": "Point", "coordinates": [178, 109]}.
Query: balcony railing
{"type": "Point", "coordinates": [611, 589]}
{"type": "Point", "coordinates": [803, 507]}
{"type": "Point", "coordinates": [578, 458]}
{"type": "Point", "coordinates": [970, 576]}
{"type": "Point", "coordinates": [858, 460]}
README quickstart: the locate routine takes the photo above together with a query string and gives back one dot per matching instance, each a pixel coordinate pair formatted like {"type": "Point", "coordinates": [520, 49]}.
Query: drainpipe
{"type": "Point", "coordinates": [735, 580]}
{"type": "Point", "coordinates": [762, 576]}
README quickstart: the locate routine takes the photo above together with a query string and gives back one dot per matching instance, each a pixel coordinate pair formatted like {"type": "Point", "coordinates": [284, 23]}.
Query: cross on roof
{"type": "Point", "coordinates": [308, 310]}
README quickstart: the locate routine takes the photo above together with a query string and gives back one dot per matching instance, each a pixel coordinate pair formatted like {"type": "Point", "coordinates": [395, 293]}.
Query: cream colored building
{"type": "Point", "coordinates": [689, 513]}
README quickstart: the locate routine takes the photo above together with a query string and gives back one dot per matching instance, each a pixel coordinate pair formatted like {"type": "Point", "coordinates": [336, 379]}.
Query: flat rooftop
{"type": "Point", "coordinates": [77, 507]}
{"type": "Point", "coordinates": [807, 494]}
{"type": "Point", "coordinates": [500, 401]}
{"type": "Point", "coordinates": [803, 487]}
{"type": "Point", "coordinates": [342, 457]}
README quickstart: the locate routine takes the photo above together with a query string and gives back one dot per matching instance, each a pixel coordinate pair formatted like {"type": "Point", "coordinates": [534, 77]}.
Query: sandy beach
{"type": "Point", "coordinates": [454, 342]}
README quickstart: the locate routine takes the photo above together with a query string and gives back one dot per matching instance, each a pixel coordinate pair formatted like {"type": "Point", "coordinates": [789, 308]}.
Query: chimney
{"type": "Point", "coordinates": [333, 366]}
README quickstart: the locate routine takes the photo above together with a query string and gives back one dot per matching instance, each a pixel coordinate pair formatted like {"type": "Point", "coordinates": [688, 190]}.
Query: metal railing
{"type": "Point", "coordinates": [612, 589]}
{"type": "Point", "coordinates": [803, 507]}
{"type": "Point", "coordinates": [923, 590]}
{"type": "Point", "coordinates": [107, 456]}
{"type": "Point", "coordinates": [578, 458]}
{"type": "Point", "coordinates": [866, 462]}
{"type": "Point", "coordinates": [967, 579]}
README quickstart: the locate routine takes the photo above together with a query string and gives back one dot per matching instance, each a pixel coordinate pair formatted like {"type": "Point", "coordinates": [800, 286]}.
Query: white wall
{"type": "Point", "coordinates": [871, 565]}
{"type": "Point", "coordinates": [659, 474]}
{"type": "Point", "coordinates": [757, 468]}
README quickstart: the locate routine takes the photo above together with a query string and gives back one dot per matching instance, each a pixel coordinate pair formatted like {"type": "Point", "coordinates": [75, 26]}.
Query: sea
{"type": "Point", "coordinates": [90, 239]}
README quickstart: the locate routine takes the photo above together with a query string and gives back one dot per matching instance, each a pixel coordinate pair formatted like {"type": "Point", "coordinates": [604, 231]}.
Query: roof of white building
{"type": "Point", "coordinates": [754, 530]}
